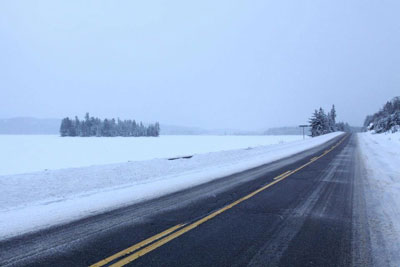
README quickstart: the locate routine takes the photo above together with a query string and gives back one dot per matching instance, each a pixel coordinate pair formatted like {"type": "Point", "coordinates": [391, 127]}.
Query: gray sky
{"type": "Point", "coordinates": [213, 64]}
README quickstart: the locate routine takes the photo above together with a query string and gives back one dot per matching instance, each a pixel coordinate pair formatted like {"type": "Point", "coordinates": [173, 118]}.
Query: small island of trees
{"type": "Point", "coordinates": [92, 126]}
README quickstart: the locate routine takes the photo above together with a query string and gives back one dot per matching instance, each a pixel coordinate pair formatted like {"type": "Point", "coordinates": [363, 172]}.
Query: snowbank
{"type": "Point", "coordinates": [53, 197]}
{"type": "Point", "coordinates": [381, 156]}
{"type": "Point", "coordinates": [30, 153]}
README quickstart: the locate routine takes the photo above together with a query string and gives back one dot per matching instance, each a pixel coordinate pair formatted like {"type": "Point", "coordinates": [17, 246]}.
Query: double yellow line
{"type": "Point", "coordinates": [150, 244]}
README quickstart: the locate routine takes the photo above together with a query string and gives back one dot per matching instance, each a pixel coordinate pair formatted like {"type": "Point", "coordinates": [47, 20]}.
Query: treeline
{"type": "Point", "coordinates": [322, 123]}
{"type": "Point", "coordinates": [386, 119]}
{"type": "Point", "coordinates": [92, 126]}
{"type": "Point", "coordinates": [345, 127]}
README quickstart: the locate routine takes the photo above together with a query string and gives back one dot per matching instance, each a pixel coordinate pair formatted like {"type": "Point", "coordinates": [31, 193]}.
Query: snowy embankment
{"type": "Point", "coordinates": [34, 201]}
{"type": "Point", "coordinates": [381, 157]}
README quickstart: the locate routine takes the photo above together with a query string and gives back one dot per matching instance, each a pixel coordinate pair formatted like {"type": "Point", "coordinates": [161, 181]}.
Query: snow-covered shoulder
{"type": "Point", "coordinates": [381, 157]}
{"type": "Point", "coordinates": [59, 196]}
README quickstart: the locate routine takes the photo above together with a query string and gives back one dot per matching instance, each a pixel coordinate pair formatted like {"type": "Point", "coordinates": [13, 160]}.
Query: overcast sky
{"type": "Point", "coordinates": [212, 64]}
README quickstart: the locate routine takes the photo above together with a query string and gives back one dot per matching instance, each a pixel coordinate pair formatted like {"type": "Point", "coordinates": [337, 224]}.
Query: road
{"type": "Point", "coordinates": [305, 210]}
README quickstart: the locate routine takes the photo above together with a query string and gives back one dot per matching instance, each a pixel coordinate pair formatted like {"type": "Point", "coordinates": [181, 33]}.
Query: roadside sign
{"type": "Point", "coordinates": [304, 126]}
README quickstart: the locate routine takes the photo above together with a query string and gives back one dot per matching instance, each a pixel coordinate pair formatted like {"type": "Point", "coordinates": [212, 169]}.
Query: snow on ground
{"type": "Point", "coordinates": [30, 153]}
{"type": "Point", "coordinates": [381, 156]}
{"type": "Point", "coordinates": [58, 196]}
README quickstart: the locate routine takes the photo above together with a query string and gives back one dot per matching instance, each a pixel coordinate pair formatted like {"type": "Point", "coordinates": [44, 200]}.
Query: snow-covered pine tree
{"type": "Point", "coordinates": [77, 127]}
{"type": "Point", "coordinates": [98, 127]}
{"type": "Point", "coordinates": [65, 127]}
{"type": "Point", "coordinates": [324, 121]}
{"type": "Point", "coordinates": [106, 129]}
{"type": "Point", "coordinates": [330, 122]}
{"type": "Point", "coordinates": [86, 125]}
{"type": "Point", "coordinates": [93, 127]}
{"type": "Point", "coordinates": [315, 124]}
{"type": "Point", "coordinates": [157, 129]}
{"type": "Point", "coordinates": [140, 129]}
{"type": "Point", "coordinates": [332, 118]}
{"type": "Point", "coordinates": [119, 126]}
{"type": "Point", "coordinates": [113, 127]}
{"type": "Point", "coordinates": [135, 128]}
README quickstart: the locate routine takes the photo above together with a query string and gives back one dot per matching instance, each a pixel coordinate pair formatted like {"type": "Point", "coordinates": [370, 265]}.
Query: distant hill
{"type": "Point", "coordinates": [27, 125]}
{"type": "Point", "coordinates": [180, 130]}
{"type": "Point", "coordinates": [184, 130]}
{"type": "Point", "coordinates": [291, 130]}
{"type": "Point", "coordinates": [356, 129]}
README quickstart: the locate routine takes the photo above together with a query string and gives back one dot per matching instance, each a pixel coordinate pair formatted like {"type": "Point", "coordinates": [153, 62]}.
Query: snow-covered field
{"type": "Point", "coordinates": [30, 153]}
{"type": "Point", "coordinates": [58, 196]}
{"type": "Point", "coordinates": [381, 156]}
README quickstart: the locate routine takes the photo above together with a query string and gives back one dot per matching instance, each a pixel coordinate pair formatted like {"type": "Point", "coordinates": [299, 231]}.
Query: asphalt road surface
{"type": "Point", "coordinates": [305, 210]}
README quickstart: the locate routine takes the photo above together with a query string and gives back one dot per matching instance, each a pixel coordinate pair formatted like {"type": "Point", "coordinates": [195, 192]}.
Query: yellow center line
{"type": "Point", "coordinates": [193, 225]}
{"type": "Point", "coordinates": [281, 175]}
{"type": "Point", "coordinates": [136, 246]}
{"type": "Point", "coordinates": [161, 242]}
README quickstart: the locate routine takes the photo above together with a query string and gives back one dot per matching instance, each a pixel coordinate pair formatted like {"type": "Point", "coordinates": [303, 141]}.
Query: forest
{"type": "Point", "coordinates": [387, 119]}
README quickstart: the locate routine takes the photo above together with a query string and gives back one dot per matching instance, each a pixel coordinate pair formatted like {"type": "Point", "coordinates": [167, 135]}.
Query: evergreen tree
{"type": "Point", "coordinates": [86, 125]}
{"type": "Point", "coordinates": [93, 127]}
{"type": "Point", "coordinates": [157, 129]}
{"type": "Point", "coordinates": [333, 114]}
{"type": "Point", "coordinates": [142, 130]}
{"type": "Point", "coordinates": [106, 129]}
{"type": "Point", "coordinates": [77, 127]}
{"type": "Point", "coordinates": [134, 129]}
{"type": "Point", "coordinates": [332, 117]}
{"type": "Point", "coordinates": [315, 124]}
{"type": "Point", "coordinates": [65, 126]}
{"type": "Point", "coordinates": [325, 127]}
{"type": "Point", "coordinates": [98, 127]}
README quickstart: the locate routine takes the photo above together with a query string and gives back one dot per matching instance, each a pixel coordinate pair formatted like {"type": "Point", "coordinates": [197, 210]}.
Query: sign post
{"type": "Point", "coordinates": [304, 126]}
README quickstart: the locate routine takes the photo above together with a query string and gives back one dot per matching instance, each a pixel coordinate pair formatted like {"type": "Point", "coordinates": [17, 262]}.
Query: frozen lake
{"type": "Point", "coordinates": [31, 153]}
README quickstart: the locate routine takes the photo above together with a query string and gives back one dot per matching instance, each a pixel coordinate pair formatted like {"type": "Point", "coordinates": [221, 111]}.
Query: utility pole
{"type": "Point", "coordinates": [304, 126]}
